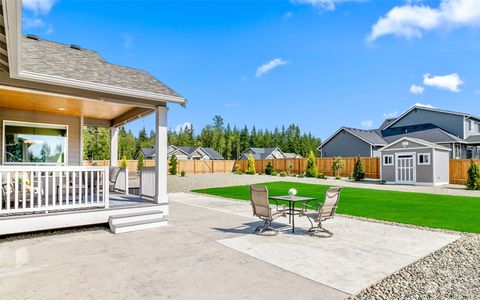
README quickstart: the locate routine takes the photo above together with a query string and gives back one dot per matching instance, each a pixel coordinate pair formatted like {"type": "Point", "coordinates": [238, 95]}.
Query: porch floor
{"type": "Point", "coordinates": [118, 199]}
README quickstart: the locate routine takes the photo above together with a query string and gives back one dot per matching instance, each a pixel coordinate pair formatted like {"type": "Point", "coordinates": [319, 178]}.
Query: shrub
{"type": "Point", "coordinates": [182, 173]}
{"type": "Point", "coordinates": [123, 162]}
{"type": "Point", "coordinates": [473, 176]}
{"type": "Point", "coordinates": [311, 165]}
{"type": "Point", "coordinates": [358, 172]}
{"type": "Point", "coordinates": [274, 173]}
{"type": "Point", "coordinates": [321, 176]}
{"type": "Point", "coordinates": [338, 177]}
{"type": "Point", "coordinates": [290, 168]}
{"type": "Point", "coordinates": [337, 165]}
{"type": "Point", "coordinates": [283, 174]}
{"type": "Point", "coordinates": [250, 165]}
{"type": "Point", "coordinates": [173, 164]}
{"type": "Point", "coordinates": [140, 163]}
{"type": "Point", "coordinates": [237, 169]}
{"type": "Point", "coordinates": [269, 169]}
{"type": "Point", "coordinates": [301, 175]}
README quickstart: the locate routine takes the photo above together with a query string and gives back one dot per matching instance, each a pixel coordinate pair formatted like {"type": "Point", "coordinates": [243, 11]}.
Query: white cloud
{"type": "Point", "coordinates": [29, 23]}
{"type": "Point", "coordinates": [39, 6]}
{"type": "Point", "coordinates": [367, 124]}
{"type": "Point", "coordinates": [49, 29]}
{"type": "Point", "coordinates": [416, 89]}
{"type": "Point", "coordinates": [267, 67]}
{"type": "Point", "coordinates": [424, 105]}
{"type": "Point", "coordinates": [450, 82]}
{"type": "Point", "coordinates": [324, 4]}
{"type": "Point", "coordinates": [182, 126]}
{"type": "Point", "coordinates": [288, 15]}
{"type": "Point", "coordinates": [412, 20]}
{"type": "Point", "coordinates": [390, 115]}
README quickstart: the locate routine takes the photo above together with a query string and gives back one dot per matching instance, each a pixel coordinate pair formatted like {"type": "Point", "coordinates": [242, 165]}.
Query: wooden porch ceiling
{"type": "Point", "coordinates": [69, 106]}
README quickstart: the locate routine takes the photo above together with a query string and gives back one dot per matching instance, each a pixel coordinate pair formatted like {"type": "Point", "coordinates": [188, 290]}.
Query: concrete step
{"type": "Point", "coordinates": [134, 217]}
{"type": "Point", "coordinates": [139, 225]}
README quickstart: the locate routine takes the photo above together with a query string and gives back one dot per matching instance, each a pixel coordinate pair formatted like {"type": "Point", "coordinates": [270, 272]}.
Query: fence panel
{"type": "Point", "coordinates": [458, 170]}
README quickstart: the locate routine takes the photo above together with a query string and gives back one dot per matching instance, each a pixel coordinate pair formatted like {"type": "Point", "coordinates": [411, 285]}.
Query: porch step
{"type": "Point", "coordinates": [136, 221]}
{"type": "Point", "coordinates": [134, 217]}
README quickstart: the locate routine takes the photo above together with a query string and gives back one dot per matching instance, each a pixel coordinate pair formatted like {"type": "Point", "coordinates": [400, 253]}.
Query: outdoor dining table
{"type": "Point", "coordinates": [291, 212]}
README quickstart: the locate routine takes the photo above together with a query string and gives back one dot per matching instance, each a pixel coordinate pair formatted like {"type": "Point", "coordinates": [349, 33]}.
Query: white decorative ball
{"type": "Point", "coordinates": [292, 192]}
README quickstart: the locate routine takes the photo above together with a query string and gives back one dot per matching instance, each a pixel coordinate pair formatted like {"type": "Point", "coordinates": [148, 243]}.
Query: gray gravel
{"type": "Point", "coordinates": [452, 272]}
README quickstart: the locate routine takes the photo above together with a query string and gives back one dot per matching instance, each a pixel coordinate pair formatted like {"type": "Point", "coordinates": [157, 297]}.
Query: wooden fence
{"type": "Point", "coordinates": [458, 170]}
{"type": "Point", "coordinates": [371, 166]}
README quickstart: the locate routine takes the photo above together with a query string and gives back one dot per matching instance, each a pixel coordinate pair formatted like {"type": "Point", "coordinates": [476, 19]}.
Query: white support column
{"type": "Point", "coordinates": [114, 131]}
{"type": "Point", "coordinates": [82, 141]}
{"type": "Point", "coordinates": [161, 156]}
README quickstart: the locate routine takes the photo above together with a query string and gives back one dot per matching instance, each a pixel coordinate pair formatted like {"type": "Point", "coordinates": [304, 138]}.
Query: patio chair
{"type": "Point", "coordinates": [323, 212]}
{"type": "Point", "coordinates": [261, 209]}
{"type": "Point", "coordinates": [113, 176]}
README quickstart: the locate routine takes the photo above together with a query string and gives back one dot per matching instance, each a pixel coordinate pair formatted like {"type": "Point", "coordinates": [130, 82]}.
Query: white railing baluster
{"type": "Point", "coordinates": [60, 189]}
{"type": "Point", "coordinates": [74, 187]}
{"type": "Point", "coordinates": [39, 189]}
{"type": "Point", "coordinates": [32, 193]}
{"type": "Point", "coordinates": [54, 188]}
{"type": "Point", "coordinates": [86, 187]}
{"type": "Point", "coordinates": [47, 190]}
{"type": "Point", "coordinates": [15, 187]}
{"type": "Point", "coordinates": [1, 190]}
{"type": "Point", "coordinates": [9, 189]}
{"type": "Point", "coordinates": [24, 189]}
{"type": "Point", "coordinates": [67, 187]}
{"type": "Point", "coordinates": [98, 186]}
{"type": "Point", "coordinates": [92, 187]}
{"type": "Point", "coordinates": [80, 183]}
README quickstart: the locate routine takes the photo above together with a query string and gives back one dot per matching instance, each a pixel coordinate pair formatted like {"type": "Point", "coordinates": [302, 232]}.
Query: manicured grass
{"type": "Point", "coordinates": [436, 211]}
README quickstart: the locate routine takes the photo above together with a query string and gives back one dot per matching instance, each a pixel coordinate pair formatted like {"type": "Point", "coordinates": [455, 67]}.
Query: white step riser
{"type": "Point", "coordinates": [139, 227]}
{"type": "Point", "coordinates": [117, 221]}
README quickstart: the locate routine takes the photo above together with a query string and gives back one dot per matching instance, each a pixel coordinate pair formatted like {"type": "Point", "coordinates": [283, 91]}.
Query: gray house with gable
{"type": "Point", "coordinates": [459, 132]}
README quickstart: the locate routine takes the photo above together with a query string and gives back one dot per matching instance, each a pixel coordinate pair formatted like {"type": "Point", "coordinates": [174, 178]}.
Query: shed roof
{"type": "Point", "coordinates": [418, 141]}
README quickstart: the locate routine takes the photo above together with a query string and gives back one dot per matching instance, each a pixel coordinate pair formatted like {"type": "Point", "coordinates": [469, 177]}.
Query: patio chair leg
{"type": "Point", "coordinates": [266, 228]}
{"type": "Point", "coordinates": [317, 230]}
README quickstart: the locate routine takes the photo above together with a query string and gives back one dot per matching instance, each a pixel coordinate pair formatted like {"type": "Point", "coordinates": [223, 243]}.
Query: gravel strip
{"type": "Point", "coordinates": [452, 272]}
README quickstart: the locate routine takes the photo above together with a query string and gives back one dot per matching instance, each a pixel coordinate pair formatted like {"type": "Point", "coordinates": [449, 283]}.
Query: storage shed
{"type": "Point", "coordinates": [414, 161]}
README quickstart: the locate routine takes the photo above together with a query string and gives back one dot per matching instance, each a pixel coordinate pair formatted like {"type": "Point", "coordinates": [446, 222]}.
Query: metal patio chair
{"type": "Point", "coordinates": [261, 209]}
{"type": "Point", "coordinates": [323, 212]}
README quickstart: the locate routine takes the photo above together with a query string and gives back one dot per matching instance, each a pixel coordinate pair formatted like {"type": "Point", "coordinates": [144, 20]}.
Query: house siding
{"type": "Point", "coordinates": [475, 130]}
{"type": "Point", "coordinates": [346, 144]}
{"type": "Point", "coordinates": [73, 123]}
{"type": "Point", "coordinates": [451, 123]}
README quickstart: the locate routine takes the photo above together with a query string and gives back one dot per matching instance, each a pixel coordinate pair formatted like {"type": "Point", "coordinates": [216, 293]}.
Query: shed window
{"type": "Point", "coordinates": [388, 160]}
{"type": "Point", "coordinates": [424, 158]}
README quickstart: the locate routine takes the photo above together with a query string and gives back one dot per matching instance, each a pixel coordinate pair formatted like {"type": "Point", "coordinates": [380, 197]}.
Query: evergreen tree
{"type": "Point", "coordinates": [473, 176]}
{"type": "Point", "coordinates": [250, 165]}
{"type": "Point", "coordinates": [140, 162]}
{"type": "Point", "coordinates": [173, 164]}
{"type": "Point", "coordinates": [311, 165]}
{"type": "Point", "coordinates": [358, 172]}
{"type": "Point", "coordinates": [269, 169]}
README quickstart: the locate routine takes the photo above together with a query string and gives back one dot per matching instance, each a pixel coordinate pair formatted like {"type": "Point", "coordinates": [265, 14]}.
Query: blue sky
{"type": "Point", "coordinates": [318, 63]}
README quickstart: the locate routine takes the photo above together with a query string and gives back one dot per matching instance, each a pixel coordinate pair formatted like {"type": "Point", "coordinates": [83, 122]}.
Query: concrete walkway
{"type": "Point", "coordinates": [209, 252]}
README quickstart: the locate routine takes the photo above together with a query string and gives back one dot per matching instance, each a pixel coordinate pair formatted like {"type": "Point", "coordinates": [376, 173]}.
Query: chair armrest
{"type": "Point", "coordinates": [305, 206]}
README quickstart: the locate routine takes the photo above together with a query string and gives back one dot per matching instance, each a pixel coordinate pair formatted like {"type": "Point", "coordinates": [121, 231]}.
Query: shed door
{"type": "Point", "coordinates": [405, 171]}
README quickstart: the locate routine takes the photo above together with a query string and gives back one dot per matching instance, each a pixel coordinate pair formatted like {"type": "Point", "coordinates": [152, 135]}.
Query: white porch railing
{"type": "Point", "coordinates": [147, 182]}
{"type": "Point", "coordinates": [51, 188]}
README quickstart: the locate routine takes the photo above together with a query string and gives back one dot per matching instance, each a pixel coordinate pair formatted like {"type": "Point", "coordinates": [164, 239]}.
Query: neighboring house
{"type": "Point", "coordinates": [262, 153]}
{"type": "Point", "coordinates": [292, 155]}
{"type": "Point", "coordinates": [48, 93]}
{"type": "Point", "coordinates": [459, 132]}
{"type": "Point", "coordinates": [185, 153]}
{"type": "Point", "coordinates": [414, 161]}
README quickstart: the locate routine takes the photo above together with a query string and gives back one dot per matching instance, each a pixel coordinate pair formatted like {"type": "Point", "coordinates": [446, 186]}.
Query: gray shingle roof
{"type": "Point", "coordinates": [213, 154]}
{"type": "Point", "coordinates": [371, 136]}
{"type": "Point", "coordinates": [426, 132]}
{"type": "Point", "coordinates": [55, 59]}
{"type": "Point", "coordinates": [473, 139]}
{"type": "Point", "coordinates": [258, 153]}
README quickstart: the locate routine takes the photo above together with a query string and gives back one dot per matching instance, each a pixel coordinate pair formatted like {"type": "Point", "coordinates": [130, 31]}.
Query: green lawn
{"type": "Point", "coordinates": [437, 211]}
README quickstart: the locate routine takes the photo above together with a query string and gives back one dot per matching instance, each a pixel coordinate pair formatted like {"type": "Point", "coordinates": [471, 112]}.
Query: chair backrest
{"type": "Point", "coordinates": [259, 201]}
{"type": "Point", "coordinates": [113, 174]}
{"type": "Point", "coordinates": [332, 196]}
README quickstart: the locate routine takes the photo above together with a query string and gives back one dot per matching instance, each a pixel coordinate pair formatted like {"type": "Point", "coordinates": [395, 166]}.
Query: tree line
{"type": "Point", "coordinates": [229, 141]}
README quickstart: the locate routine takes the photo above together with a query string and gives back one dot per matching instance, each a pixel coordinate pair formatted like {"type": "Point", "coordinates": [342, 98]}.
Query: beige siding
{"type": "Point", "coordinates": [73, 124]}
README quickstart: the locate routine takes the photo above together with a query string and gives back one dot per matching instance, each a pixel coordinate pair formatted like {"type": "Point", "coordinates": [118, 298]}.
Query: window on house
{"type": "Point", "coordinates": [472, 126]}
{"type": "Point", "coordinates": [388, 160]}
{"type": "Point", "coordinates": [424, 158]}
{"type": "Point", "coordinates": [31, 143]}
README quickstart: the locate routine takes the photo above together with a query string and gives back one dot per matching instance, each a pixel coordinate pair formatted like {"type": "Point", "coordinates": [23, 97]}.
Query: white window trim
{"type": "Point", "coordinates": [391, 158]}
{"type": "Point", "coordinates": [428, 157]}
{"type": "Point", "coordinates": [34, 124]}
{"type": "Point", "coordinates": [472, 126]}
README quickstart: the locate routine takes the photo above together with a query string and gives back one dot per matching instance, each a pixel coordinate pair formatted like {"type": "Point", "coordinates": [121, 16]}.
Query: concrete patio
{"type": "Point", "coordinates": [209, 252]}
